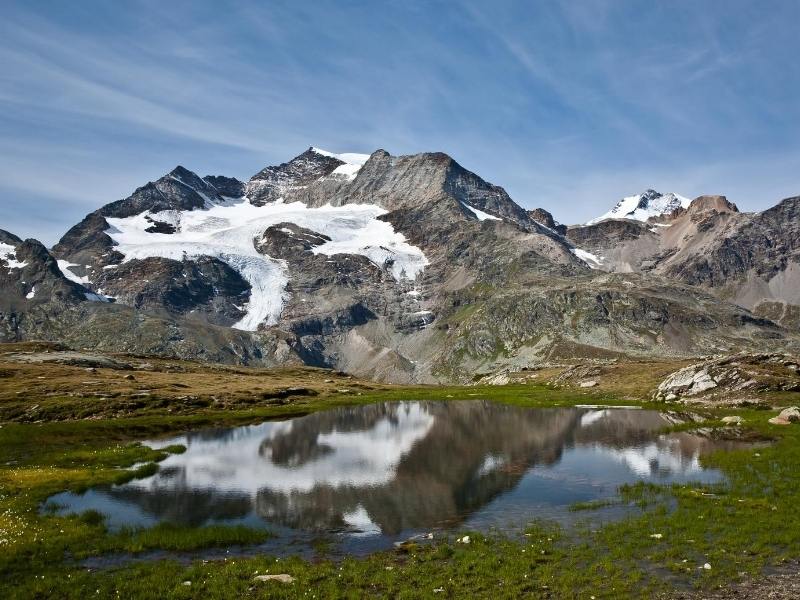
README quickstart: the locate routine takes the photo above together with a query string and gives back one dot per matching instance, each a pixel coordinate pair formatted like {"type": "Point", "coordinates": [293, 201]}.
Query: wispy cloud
{"type": "Point", "coordinates": [569, 105]}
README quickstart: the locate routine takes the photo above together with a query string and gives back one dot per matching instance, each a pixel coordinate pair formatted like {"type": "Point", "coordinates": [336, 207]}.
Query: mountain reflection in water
{"type": "Point", "coordinates": [398, 467]}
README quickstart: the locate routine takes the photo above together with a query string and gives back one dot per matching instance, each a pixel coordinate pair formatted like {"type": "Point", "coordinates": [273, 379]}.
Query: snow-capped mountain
{"type": "Point", "coordinates": [402, 268]}
{"type": "Point", "coordinates": [642, 207]}
{"type": "Point", "coordinates": [226, 232]}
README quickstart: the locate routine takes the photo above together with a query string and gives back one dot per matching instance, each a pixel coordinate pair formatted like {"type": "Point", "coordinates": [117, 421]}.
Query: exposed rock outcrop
{"type": "Point", "coordinates": [730, 377]}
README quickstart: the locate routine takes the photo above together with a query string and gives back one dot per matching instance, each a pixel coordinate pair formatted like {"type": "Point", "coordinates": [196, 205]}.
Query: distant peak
{"type": "Point", "coordinates": [712, 202]}
{"type": "Point", "coordinates": [180, 171]}
{"type": "Point", "coordinates": [644, 206]}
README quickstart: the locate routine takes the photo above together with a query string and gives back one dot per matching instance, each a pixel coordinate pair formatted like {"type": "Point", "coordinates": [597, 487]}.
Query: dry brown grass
{"type": "Point", "coordinates": [28, 391]}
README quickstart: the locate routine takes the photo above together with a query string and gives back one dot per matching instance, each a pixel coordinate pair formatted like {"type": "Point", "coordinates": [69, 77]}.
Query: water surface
{"type": "Point", "coordinates": [374, 474]}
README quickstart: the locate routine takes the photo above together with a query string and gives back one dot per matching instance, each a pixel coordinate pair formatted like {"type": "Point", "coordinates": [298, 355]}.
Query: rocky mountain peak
{"type": "Point", "coordinates": [273, 182]}
{"type": "Point", "coordinates": [181, 172]}
{"type": "Point", "coordinates": [712, 202]}
{"type": "Point", "coordinates": [545, 218]}
{"type": "Point", "coordinates": [644, 206]}
{"type": "Point", "coordinates": [6, 237]}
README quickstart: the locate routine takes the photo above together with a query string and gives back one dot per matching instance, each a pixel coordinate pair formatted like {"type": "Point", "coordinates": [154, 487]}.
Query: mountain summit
{"type": "Point", "coordinates": [644, 206]}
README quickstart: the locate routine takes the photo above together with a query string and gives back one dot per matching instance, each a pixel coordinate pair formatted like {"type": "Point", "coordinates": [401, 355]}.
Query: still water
{"type": "Point", "coordinates": [373, 474]}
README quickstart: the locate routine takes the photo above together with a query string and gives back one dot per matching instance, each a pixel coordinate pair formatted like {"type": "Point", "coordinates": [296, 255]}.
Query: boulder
{"type": "Point", "coordinates": [787, 416]}
{"type": "Point", "coordinates": [689, 381]}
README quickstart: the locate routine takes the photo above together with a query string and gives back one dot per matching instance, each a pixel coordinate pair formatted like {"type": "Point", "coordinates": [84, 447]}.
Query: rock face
{"type": "Point", "coordinates": [402, 268]}
{"type": "Point", "coordinates": [689, 381]}
{"type": "Point", "coordinates": [33, 288]}
{"type": "Point", "coordinates": [543, 217]}
{"type": "Point", "coordinates": [203, 286]}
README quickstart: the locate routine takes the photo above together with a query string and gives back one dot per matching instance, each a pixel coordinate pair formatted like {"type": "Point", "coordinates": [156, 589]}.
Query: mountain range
{"type": "Point", "coordinates": [404, 269]}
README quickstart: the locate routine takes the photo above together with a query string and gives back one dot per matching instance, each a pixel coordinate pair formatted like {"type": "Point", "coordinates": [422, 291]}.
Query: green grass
{"type": "Point", "coordinates": [741, 527]}
{"type": "Point", "coordinates": [592, 505]}
{"type": "Point", "coordinates": [167, 536]}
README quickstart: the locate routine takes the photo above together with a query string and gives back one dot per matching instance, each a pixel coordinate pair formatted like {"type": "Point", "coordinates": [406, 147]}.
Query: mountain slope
{"type": "Point", "coordinates": [402, 268]}
{"type": "Point", "coordinates": [748, 258]}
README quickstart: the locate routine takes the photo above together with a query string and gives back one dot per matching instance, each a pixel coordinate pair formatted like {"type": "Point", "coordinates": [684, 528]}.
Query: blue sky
{"type": "Point", "coordinates": [568, 105]}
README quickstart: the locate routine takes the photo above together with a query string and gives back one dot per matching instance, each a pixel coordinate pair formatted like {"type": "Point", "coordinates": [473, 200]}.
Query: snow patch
{"type": "Point", "coordinates": [32, 294]}
{"type": "Point", "coordinates": [590, 259]}
{"type": "Point", "coordinates": [228, 233]}
{"type": "Point", "coordinates": [8, 253]}
{"type": "Point", "coordinates": [352, 162]}
{"type": "Point", "coordinates": [64, 267]}
{"type": "Point", "coordinates": [481, 216]}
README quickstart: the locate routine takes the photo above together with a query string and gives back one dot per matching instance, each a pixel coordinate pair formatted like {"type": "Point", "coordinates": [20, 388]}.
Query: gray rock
{"type": "Point", "coordinates": [280, 578]}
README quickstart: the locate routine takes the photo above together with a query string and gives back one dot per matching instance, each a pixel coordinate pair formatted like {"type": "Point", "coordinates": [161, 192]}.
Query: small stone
{"type": "Point", "coordinates": [463, 540]}
{"type": "Point", "coordinates": [129, 377]}
{"type": "Point", "coordinates": [656, 536]}
{"type": "Point", "coordinates": [282, 578]}
{"type": "Point", "coordinates": [187, 583]}
{"type": "Point", "coordinates": [438, 590]}
{"type": "Point", "coordinates": [588, 384]}
{"type": "Point", "coordinates": [707, 567]}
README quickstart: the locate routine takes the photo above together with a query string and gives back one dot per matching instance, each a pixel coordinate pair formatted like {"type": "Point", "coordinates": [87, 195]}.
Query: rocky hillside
{"type": "Point", "coordinates": [750, 259]}
{"type": "Point", "coordinates": [400, 268]}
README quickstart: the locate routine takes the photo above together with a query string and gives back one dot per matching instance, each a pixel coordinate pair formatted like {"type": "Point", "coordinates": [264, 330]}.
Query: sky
{"type": "Point", "coordinates": [568, 105]}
